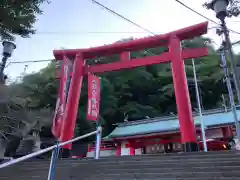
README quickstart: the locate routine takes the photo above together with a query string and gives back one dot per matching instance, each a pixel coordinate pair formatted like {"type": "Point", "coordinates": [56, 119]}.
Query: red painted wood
{"type": "Point", "coordinates": [128, 64]}
{"type": "Point", "coordinates": [149, 60]}
{"type": "Point", "coordinates": [104, 146]}
{"type": "Point", "coordinates": [125, 56]}
{"type": "Point", "coordinates": [165, 135]}
{"type": "Point", "coordinates": [187, 127]}
{"type": "Point", "coordinates": [186, 53]}
{"type": "Point", "coordinates": [143, 143]}
{"type": "Point", "coordinates": [89, 148]}
{"type": "Point", "coordinates": [132, 151]}
{"type": "Point", "coordinates": [134, 45]}
{"type": "Point", "coordinates": [227, 131]}
{"type": "Point", "coordinates": [118, 150]}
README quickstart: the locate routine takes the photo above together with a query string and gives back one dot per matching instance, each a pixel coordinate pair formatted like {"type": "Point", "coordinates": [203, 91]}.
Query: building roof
{"type": "Point", "coordinates": [211, 118]}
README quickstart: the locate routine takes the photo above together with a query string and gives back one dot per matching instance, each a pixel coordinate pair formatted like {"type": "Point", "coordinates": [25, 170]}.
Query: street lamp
{"type": "Point", "coordinates": [220, 8]}
{"type": "Point", "coordinates": [8, 48]}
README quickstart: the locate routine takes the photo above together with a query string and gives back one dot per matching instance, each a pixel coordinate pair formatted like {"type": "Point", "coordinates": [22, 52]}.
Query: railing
{"type": "Point", "coordinates": [55, 152]}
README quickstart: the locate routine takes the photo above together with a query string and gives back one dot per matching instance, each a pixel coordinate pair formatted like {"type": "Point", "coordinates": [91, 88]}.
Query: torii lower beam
{"type": "Point", "coordinates": [149, 60]}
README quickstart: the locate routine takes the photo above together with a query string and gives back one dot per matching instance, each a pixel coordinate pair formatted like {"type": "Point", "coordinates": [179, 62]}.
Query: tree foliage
{"type": "Point", "coordinates": [233, 7]}
{"type": "Point", "coordinates": [136, 93]}
{"type": "Point", "coordinates": [17, 121]}
{"type": "Point", "coordinates": [18, 16]}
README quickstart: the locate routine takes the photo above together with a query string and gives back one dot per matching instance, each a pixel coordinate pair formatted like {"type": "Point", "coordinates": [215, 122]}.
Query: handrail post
{"type": "Point", "coordinates": [54, 158]}
{"type": "Point", "coordinates": [51, 166]}
{"type": "Point", "coordinates": [98, 142]}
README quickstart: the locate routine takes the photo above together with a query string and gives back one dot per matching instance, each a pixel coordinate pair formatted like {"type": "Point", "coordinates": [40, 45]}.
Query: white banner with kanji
{"type": "Point", "coordinates": [93, 97]}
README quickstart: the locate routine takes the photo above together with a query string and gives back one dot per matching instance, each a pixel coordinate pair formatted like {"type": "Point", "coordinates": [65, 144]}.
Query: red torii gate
{"type": "Point", "coordinates": [175, 55]}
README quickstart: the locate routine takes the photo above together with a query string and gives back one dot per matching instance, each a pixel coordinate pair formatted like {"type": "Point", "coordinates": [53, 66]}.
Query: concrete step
{"type": "Point", "coordinates": [159, 178]}
{"type": "Point", "coordinates": [114, 160]}
{"type": "Point", "coordinates": [187, 164]}
{"type": "Point", "coordinates": [15, 174]}
{"type": "Point", "coordinates": [170, 155]}
{"type": "Point", "coordinates": [157, 160]}
{"type": "Point", "coordinates": [202, 166]}
{"type": "Point", "coordinates": [144, 157]}
{"type": "Point", "coordinates": [228, 166]}
{"type": "Point", "coordinates": [119, 163]}
{"type": "Point", "coordinates": [123, 178]}
{"type": "Point", "coordinates": [150, 173]}
{"type": "Point", "coordinates": [202, 178]}
{"type": "Point", "coordinates": [143, 175]}
{"type": "Point", "coordinates": [181, 169]}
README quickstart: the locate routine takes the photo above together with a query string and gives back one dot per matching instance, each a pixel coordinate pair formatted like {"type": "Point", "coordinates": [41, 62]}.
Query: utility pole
{"type": "Point", "coordinates": [230, 91]}
{"type": "Point", "coordinates": [220, 7]}
{"type": "Point", "coordinates": [228, 46]}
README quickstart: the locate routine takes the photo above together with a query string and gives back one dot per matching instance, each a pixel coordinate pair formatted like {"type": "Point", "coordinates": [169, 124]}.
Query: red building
{"type": "Point", "coordinates": [161, 135]}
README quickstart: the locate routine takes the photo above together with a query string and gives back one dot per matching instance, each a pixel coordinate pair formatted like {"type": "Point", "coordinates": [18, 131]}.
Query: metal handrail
{"type": "Point", "coordinates": [23, 158]}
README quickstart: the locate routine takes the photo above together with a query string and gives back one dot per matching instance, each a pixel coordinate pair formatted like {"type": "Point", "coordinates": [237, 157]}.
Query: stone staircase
{"type": "Point", "coordinates": [183, 166]}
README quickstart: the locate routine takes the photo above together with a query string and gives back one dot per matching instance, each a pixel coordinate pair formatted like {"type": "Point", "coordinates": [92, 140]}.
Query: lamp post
{"type": "Point", "coordinates": [8, 48]}
{"type": "Point", "coordinates": [199, 107]}
{"type": "Point", "coordinates": [220, 7]}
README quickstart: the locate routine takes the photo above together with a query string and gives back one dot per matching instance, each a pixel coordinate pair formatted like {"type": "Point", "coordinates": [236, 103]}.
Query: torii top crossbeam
{"type": "Point", "coordinates": [134, 45]}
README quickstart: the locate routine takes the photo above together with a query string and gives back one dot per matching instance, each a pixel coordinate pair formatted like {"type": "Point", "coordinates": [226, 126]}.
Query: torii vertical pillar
{"type": "Point", "coordinates": [187, 128]}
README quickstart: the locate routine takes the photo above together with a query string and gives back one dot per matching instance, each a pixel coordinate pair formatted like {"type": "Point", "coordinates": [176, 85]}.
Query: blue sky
{"type": "Point", "coordinates": [82, 24]}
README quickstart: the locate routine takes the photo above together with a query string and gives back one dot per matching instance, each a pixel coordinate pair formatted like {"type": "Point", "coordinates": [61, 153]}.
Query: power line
{"type": "Point", "coordinates": [22, 62]}
{"type": "Point", "coordinates": [48, 60]}
{"type": "Point", "coordinates": [196, 12]}
{"type": "Point", "coordinates": [96, 32]}
{"type": "Point", "coordinates": [69, 33]}
{"type": "Point", "coordinates": [233, 21]}
{"type": "Point", "coordinates": [123, 17]}
{"type": "Point", "coordinates": [106, 32]}
{"type": "Point", "coordinates": [237, 42]}
{"type": "Point", "coordinates": [25, 62]}
{"type": "Point", "coordinates": [209, 19]}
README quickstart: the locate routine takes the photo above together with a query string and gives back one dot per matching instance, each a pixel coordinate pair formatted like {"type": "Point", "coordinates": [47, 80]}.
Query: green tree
{"type": "Point", "coordinates": [18, 16]}
{"type": "Point", "coordinates": [16, 122]}
{"type": "Point", "coordinates": [233, 7]}
{"type": "Point", "coordinates": [40, 88]}
{"type": "Point", "coordinates": [27, 108]}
